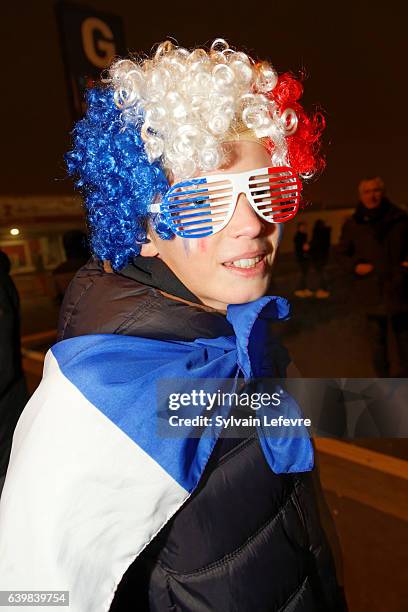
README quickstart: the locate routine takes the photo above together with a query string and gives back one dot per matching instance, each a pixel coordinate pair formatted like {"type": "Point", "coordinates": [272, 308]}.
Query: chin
{"type": "Point", "coordinates": [247, 295]}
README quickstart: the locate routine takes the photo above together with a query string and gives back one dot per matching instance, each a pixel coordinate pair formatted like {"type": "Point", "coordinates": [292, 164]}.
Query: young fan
{"type": "Point", "coordinates": [189, 163]}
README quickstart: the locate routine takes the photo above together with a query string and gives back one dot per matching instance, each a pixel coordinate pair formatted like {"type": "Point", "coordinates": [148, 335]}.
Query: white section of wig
{"type": "Point", "coordinates": [187, 103]}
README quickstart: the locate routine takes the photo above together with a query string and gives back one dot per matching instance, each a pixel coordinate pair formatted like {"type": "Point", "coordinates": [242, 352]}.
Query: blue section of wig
{"type": "Point", "coordinates": [111, 168]}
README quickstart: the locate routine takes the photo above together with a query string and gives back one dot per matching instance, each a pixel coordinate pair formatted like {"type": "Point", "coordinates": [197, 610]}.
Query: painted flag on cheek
{"type": "Point", "coordinates": [90, 482]}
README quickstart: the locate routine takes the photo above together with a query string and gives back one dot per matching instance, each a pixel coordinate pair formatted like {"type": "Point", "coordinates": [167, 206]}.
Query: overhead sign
{"type": "Point", "coordinates": [90, 40]}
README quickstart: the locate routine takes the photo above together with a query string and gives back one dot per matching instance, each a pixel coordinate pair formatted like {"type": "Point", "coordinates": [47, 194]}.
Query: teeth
{"type": "Point", "coordinates": [245, 263]}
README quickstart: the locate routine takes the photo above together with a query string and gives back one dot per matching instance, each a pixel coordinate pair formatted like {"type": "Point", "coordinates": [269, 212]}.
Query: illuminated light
{"type": "Point", "coordinates": [15, 231]}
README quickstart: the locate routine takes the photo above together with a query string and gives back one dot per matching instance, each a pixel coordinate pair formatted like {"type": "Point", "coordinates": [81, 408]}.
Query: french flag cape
{"type": "Point", "coordinates": [90, 482]}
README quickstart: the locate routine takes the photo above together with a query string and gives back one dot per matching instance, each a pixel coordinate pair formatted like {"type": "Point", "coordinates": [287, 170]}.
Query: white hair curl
{"type": "Point", "coordinates": [187, 103]}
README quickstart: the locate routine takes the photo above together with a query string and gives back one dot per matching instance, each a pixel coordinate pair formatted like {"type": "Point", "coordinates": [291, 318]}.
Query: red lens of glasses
{"type": "Point", "coordinates": [276, 194]}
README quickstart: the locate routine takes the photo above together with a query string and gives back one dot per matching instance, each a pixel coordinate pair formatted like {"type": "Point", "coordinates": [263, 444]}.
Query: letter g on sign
{"type": "Point", "coordinates": [98, 42]}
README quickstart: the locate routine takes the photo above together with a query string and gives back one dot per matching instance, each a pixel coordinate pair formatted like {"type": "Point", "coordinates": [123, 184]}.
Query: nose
{"type": "Point", "coordinates": [245, 221]}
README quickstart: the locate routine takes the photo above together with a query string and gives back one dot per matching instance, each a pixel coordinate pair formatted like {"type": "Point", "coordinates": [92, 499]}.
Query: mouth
{"type": "Point", "coordinates": [247, 264]}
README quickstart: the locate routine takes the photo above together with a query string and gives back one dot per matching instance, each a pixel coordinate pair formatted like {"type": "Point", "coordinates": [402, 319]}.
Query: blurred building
{"type": "Point", "coordinates": [31, 233]}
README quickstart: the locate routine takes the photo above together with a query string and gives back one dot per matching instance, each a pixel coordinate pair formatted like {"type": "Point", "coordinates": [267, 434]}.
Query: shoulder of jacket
{"type": "Point", "coordinates": [98, 301]}
{"type": "Point", "coordinates": [103, 302]}
{"type": "Point", "coordinates": [349, 219]}
{"type": "Point", "coordinates": [397, 213]}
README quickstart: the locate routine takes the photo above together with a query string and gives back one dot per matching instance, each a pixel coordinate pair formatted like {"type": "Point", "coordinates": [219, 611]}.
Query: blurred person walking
{"type": "Point", "coordinates": [374, 249]}
{"type": "Point", "coordinates": [13, 390]}
{"type": "Point", "coordinates": [302, 247]}
{"type": "Point", "coordinates": [319, 255]}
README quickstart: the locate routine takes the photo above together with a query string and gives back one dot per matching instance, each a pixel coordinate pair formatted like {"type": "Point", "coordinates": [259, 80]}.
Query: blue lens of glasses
{"type": "Point", "coordinates": [195, 208]}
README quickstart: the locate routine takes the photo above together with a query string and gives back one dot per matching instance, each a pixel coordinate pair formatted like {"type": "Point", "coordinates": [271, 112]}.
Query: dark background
{"type": "Point", "coordinates": [353, 52]}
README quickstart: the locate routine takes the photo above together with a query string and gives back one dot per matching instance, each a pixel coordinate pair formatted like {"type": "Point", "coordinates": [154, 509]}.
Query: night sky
{"type": "Point", "coordinates": [354, 54]}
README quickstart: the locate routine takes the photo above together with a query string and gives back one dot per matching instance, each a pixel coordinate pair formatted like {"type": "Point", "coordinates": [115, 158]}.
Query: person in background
{"type": "Point", "coordinates": [13, 390]}
{"type": "Point", "coordinates": [302, 248]}
{"type": "Point", "coordinates": [374, 248]}
{"type": "Point", "coordinates": [319, 255]}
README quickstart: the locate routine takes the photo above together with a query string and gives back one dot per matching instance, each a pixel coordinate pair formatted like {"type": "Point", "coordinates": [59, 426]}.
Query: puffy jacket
{"type": "Point", "coordinates": [247, 540]}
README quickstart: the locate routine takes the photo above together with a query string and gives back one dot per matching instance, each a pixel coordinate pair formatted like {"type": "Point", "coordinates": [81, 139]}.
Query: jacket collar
{"type": "Point", "coordinates": [153, 272]}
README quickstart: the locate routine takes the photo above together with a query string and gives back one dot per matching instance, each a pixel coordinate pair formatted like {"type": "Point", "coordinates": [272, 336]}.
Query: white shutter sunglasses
{"type": "Point", "coordinates": [203, 206]}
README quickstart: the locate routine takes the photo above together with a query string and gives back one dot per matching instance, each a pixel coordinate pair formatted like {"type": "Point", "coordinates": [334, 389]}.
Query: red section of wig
{"type": "Point", "coordinates": [304, 145]}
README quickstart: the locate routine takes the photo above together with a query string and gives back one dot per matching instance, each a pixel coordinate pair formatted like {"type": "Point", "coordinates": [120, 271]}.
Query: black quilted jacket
{"type": "Point", "coordinates": [247, 540]}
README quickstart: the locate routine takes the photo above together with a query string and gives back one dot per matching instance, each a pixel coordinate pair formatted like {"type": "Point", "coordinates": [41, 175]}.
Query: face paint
{"type": "Point", "coordinates": [202, 244]}
{"type": "Point", "coordinates": [186, 246]}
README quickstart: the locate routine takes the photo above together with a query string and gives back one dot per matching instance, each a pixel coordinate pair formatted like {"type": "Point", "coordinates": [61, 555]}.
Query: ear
{"type": "Point", "coordinates": [149, 249]}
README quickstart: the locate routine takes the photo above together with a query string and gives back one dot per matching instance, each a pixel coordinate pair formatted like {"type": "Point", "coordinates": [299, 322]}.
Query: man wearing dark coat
{"type": "Point", "coordinates": [374, 249]}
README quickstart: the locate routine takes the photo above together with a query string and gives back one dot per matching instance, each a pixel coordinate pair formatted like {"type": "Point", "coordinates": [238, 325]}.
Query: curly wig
{"type": "Point", "coordinates": [168, 117]}
{"type": "Point", "coordinates": [116, 178]}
